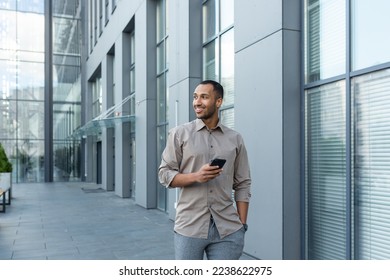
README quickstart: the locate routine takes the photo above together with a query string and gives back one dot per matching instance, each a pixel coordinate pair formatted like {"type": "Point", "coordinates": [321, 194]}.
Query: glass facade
{"type": "Point", "coordinates": [162, 28]}
{"type": "Point", "coordinates": [218, 51]}
{"type": "Point", "coordinates": [22, 97]}
{"type": "Point", "coordinates": [22, 82]}
{"type": "Point", "coordinates": [346, 130]}
{"type": "Point", "coordinates": [66, 69]}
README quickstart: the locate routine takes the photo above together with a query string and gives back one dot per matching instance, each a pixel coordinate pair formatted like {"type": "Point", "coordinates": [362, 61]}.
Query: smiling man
{"type": "Point", "coordinates": [207, 221]}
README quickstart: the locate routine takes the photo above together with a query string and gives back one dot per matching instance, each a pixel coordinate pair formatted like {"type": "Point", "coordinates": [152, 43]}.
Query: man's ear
{"type": "Point", "coordinates": [219, 102]}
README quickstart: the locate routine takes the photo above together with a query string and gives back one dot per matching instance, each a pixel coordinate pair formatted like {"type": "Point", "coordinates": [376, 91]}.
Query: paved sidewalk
{"type": "Point", "coordinates": [79, 221]}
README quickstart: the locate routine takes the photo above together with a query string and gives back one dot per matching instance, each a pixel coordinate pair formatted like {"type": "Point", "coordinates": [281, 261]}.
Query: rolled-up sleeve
{"type": "Point", "coordinates": [242, 178]}
{"type": "Point", "coordinates": [170, 160]}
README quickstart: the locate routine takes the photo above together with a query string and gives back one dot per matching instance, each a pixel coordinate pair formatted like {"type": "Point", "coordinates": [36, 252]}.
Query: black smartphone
{"type": "Point", "coordinates": [218, 161]}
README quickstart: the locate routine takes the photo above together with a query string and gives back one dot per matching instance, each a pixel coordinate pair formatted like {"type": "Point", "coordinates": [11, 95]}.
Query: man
{"type": "Point", "coordinates": [206, 219]}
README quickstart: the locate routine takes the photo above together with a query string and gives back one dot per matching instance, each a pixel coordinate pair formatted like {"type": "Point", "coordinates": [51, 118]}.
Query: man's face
{"type": "Point", "coordinates": [205, 102]}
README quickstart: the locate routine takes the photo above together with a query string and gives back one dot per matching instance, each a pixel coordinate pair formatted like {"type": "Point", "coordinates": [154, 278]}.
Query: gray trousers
{"type": "Point", "coordinates": [215, 248]}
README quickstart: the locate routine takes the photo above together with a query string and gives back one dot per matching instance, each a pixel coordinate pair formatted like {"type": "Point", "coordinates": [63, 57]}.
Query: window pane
{"type": "Point", "coordinates": [161, 190]}
{"type": "Point", "coordinates": [31, 81]}
{"type": "Point", "coordinates": [227, 67]}
{"type": "Point", "coordinates": [27, 40]}
{"type": "Point", "coordinates": [325, 172]}
{"type": "Point", "coordinates": [8, 32]}
{"type": "Point", "coordinates": [30, 120]}
{"type": "Point", "coordinates": [161, 109]}
{"type": "Point", "coordinates": [227, 117]}
{"type": "Point", "coordinates": [324, 39]}
{"type": "Point", "coordinates": [371, 167]}
{"type": "Point", "coordinates": [36, 6]}
{"type": "Point", "coordinates": [29, 164]}
{"type": "Point", "coordinates": [160, 58]}
{"type": "Point", "coordinates": [209, 20]}
{"type": "Point", "coordinates": [210, 61]}
{"type": "Point", "coordinates": [370, 28]}
{"type": "Point", "coordinates": [8, 119]}
{"type": "Point", "coordinates": [160, 20]}
{"type": "Point", "coordinates": [8, 4]}
{"type": "Point", "coordinates": [227, 13]}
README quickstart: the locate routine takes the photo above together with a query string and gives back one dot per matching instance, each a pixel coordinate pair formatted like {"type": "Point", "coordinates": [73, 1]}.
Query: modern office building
{"type": "Point", "coordinates": [91, 94]}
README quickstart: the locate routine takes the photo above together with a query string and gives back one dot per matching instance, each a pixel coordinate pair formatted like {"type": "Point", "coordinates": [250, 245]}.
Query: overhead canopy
{"type": "Point", "coordinates": [109, 118]}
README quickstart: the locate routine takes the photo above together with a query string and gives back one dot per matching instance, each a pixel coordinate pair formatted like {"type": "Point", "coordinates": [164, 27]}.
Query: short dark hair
{"type": "Point", "coordinates": [218, 88]}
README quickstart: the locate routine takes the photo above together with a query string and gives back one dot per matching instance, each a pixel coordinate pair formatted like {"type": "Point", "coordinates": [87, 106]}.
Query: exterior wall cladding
{"type": "Point", "coordinates": [267, 106]}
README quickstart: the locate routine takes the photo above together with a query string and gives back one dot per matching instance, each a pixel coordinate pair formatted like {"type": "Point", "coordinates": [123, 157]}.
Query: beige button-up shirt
{"type": "Point", "coordinates": [188, 148]}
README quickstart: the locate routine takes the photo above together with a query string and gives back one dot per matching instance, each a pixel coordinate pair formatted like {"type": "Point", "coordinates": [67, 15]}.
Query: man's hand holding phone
{"type": "Point", "coordinates": [210, 171]}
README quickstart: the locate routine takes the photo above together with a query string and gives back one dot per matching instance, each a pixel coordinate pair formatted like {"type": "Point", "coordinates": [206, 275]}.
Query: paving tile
{"type": "Point", "coordinates": [60, 221]}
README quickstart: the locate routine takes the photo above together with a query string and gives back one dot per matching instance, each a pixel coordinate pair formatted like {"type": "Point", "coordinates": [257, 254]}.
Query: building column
{"type": "Point", "coordinates": [146, 107]}
{"type": "Point", "coordinates": [122, 130]}
{"type": "Point", "coordinates": [267, 75]}
{"type": "Point", "coordinates": [108, 165]}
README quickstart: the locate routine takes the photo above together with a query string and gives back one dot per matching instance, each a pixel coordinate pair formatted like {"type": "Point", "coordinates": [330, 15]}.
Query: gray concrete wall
{"type": "Point", "coordinates": [122, 130]}
{"type": "Point", "coordinates": [267, 89]}
{"type": "Point", "coordinates": [107, 133]}
{"type": "Point", "coordinates": [145, 88]}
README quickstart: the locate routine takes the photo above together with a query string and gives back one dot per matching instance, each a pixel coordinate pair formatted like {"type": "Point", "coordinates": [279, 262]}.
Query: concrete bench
{"type": "Point", "coordinates": [3, 200]}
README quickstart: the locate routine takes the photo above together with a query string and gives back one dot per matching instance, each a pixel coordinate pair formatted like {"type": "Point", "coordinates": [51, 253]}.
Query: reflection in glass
{"type": "Point", "coordinates": [161, 57]}
{"type": "Point", "coordinates": [160, 18]}
{"type": "Point", "coordinates": [227, 67]}
{"type": "Point", "coordinates": [67, 89]}
{"type": "Point", "coordinates": [370, 28]}
{"type": "Point", "coordinates": [227, 117]}
{"type": "Point", "coordinates": [28, 40]}
{"type": "Point", "coordinates": [324, 39]}
{"type": "Point", "coordinates": [227, 13]}
{"type": "Point", "coordinates": [211, 61]}
{"type": "Point", "coordinates": [209, 20]}
{"type": "Point", "coordinates": [31, 80]}
{"type": "Point", "coordinates": [30, 118]}
{"type": "Point", "coordinates": [371, 166]}
{"type": "Point", "coordinates": [22, 87]}
{"type": "Point", "coordinates": [162, 106]}
{"type": "Point", "coordinates": [8, 119]}
{"type": "Point", "coordinates": [325, 172]}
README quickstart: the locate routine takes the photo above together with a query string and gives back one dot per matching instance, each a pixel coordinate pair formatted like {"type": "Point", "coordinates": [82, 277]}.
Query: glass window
{"type": "Point", "coordinates": [325, 172]}
{"type": "Point", "coordinates": [325, 29]}
{"type": "Point", "coordinates": [370, 28]}
{"type": "Point", "coordinates": [161, 57]}
{"type": "Point", "coordinates": [162, 90]}
{"type": "Point", "coordinates": [31, 81]}
{"type": "Point", "coordinates": [97, 95]}
{"type": "Point", "coordinates": [227, 67]}
{"type": "Point", "coordinates": [227, 13]}
{"type": "Point", "coordinates": [218, 51]}
{"type": "Point", "coordinates": [36, 6]}
{"type": "Point", "coordinates": [211, 61]}
{"type": "Point", "coordinates": [30, 163]}
{"type": "Point", "coordinates": [30, 120]}
{"type": "Point", "coordinates": [8, 119]}
{"type": "Point", "coordinates": [209, 20]}
{"type": "Point", "coordinates": [8, 32]}
{"type": "Point", "coordinates": [8, 4]}
{"type": "Point", "coordinates": [227, 117]}
{"type": "Point", "coordinates": [371, 166]}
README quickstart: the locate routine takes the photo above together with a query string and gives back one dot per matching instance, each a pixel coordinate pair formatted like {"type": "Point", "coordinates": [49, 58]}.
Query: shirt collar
{"type": "Point", "coordinates": [200, 125]}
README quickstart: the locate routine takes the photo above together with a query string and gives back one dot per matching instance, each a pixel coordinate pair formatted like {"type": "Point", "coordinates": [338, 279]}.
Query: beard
{"type": "Point", "coordinates": [206, 113]}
